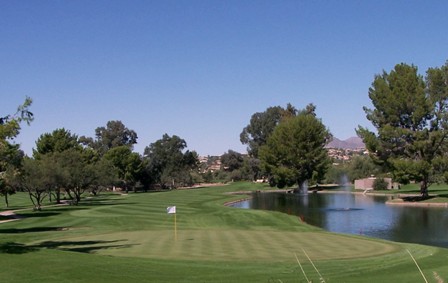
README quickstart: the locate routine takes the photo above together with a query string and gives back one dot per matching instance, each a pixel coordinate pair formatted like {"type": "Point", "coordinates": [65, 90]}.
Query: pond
{"type": "Point", "coordinates": [359, 214]}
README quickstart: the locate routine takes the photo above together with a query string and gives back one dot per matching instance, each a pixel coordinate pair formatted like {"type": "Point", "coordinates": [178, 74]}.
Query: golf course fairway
{"type": "Point", "coordinates": [131, 238]}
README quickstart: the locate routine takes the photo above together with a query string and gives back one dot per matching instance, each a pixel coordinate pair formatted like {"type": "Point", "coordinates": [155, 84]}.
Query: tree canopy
{"type": "Point", "coordinates": [295, 152]}
{"type": "Point", "coordinates": [128, 165]}
{"type": "Point", "coordinates": [113, 135]}
{"type": "Point", "coordinates": [57, 141]}
{"type": "Point", "coordinates": [411, 121]}
{"type": "Point", "coordinates": [232, 160]}
{"type": "Point", "coordinates": [261, 126]}
{"type": "Point", "coordinates": [168, 164]}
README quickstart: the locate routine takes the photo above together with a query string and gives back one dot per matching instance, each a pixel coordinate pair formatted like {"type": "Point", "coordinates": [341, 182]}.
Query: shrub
{"type": "Point", "coordinates": [380, 184]}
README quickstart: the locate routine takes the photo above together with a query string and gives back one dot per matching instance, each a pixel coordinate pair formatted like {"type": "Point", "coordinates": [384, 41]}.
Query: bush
{"type": "Point", "coordinates": [380, 184]}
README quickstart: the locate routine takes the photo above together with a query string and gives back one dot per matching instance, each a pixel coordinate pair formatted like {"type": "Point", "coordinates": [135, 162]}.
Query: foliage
{"type": "Point", "coordinates": [167, 163]}
{"type": "Point", "coordinates": [362, 167]}
{"type": "Point", "coordinates": [10, 124]}
{"type": "Point", "coordinates": [411, 120]}
{"type": "Point", "coordinates": [295, 152]}
{"type": "Point", "coordinates": [379, 184]}
{"type": "Point", "coordinates": [336, 174]}
{"type": "Point", "coordinates": [57, 141]}
{"type": "Point", "coordinates": [359, 167]}
{"type": "Point", "coordinates": [10, 154]}
{"type": "Point", "coordinates": [115, 134]}
{"type": "Point", "coordinates": [78, 173]}
{"type": "Point", "coordinates": [232, 160]}
{"type": "Point", "coordinates": [35, 179]}
{"type": "Point", "coordinates": [128, 165]}
{"type": "Point", "coordinates": [61, 153]}
{"type": "Point", "coordinates": [261, 126]}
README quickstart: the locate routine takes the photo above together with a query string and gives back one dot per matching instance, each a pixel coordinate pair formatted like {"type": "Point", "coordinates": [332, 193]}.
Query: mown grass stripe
{"type": "Point", "coordinates": [215, 244]}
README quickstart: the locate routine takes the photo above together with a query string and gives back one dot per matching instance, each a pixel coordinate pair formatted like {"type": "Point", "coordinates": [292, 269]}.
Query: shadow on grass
{"type": "Point", "coordinates": [72, 246]}
{"type": "Point", "coordinates": [416, 198]}
{"type": "Point", "coordinates": [37, 214]}
{"type": "Point", "coordinates": [81, 246]}
{"type": "Point", "coordinates": [102, 202]}
{"type": "Point", "coordinates": [30, 230]}
{"type": "Point", "coordinates": [16, 248]}
{"type": "Point", "coordinates": [6, 217]}
{"type": "Point", "coordinates": [62, 208]}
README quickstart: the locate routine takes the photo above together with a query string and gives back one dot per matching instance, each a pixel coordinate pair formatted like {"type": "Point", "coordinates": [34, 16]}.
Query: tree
{"type": "Point", "coordinates": [262, 124]}
{"type": "Point", "coordinates": [78, 172]}
{"type": "Point", "coordinates": [10, 161]}
{"type": "Point", "coordinates": [295, 152]}
{"type": "Point", "coordinates": [128, 165]}
{"type": "Point", "coordinates": [50, 148]}
{"type": "Point", "coordinates": [113, 135]}
{"type": "Point", "coordinates": [57, 141]}
{"type": "Point", "coordinates": [33, 179]}
{"type": "Point", "coordinates": [337, 174]}
{"type": "Point", "coordinates": [10, 154]}
{"type": "Point", "coordinates": [239, 166]}
{"type": "Point", "coordinates": [232, 160]}
{"type": "Point", "coordinates": [105, 176]}
{"type": "Point", "coordinates": [362, 167]}
{"type": "Point", "coordinates": [10, 124]}
{"type": "Point", "coordinates": [411, 121]}
{"type": "Point", "coordinates": [168, 164]}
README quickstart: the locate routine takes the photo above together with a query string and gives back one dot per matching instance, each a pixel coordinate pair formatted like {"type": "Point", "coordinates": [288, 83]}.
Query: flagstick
{"type": "Point", "coordinates": [175, 227]}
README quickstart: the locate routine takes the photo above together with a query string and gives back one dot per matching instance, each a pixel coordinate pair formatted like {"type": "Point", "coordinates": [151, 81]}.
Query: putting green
{"type": "Point", "coordinates": [221, 245]}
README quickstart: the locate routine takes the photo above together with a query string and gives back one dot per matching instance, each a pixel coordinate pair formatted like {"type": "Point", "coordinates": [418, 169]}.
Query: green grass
{"type": "Point", "coordinates": [130, 238]}
{"type": "Point", "coordinates": [19, 201]}
{"type": "Point", "coordinates": [438, 193]}
{"type": "Point", "coordinates": [434, 189]}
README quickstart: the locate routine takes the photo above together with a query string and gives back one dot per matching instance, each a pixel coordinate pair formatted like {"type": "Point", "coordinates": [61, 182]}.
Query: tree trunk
{"type": "Point", "coordinates": [32, 199]}
{"type": "Point", "coordinates": [58, 195]}
{"type": "Point", "coordinates": [424, 188]}
{"type": "Point", "coordinates": [69, 194]}
{"type": "Point", "coordinates": [302, 188]}
{"type": "Point", "coordinates": [6, 199]}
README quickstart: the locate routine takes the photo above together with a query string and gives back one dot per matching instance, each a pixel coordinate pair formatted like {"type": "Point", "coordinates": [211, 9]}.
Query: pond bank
{"type": "Point", "coordinates": [398, 198]}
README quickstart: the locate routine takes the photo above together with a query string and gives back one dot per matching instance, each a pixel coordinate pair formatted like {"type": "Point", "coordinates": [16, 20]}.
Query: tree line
{"type": "Point", "coordinates": [285, 146]}
{"type": "Point", "coordinates": [65, 166]}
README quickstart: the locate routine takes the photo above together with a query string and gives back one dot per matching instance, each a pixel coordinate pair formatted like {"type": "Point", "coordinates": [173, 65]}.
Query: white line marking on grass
{"type": "Point", "coordinates": [303, 271]}
{"type": "Point", "coordinates": [421, 272]}
{"type": "Point", "coordinates": [320, 275]}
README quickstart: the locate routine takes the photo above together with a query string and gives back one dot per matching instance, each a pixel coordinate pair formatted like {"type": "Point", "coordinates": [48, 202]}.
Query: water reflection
{"type": "Point", "coordinates": [360, 214]}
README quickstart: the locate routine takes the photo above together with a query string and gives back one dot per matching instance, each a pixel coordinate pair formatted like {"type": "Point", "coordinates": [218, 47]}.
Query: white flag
{"type": "Point", "coordinates": [171, 209]}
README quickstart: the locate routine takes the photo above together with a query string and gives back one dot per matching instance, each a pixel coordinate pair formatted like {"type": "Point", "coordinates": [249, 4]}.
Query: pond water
{"type": "Point", "coordinates": [359, 214]}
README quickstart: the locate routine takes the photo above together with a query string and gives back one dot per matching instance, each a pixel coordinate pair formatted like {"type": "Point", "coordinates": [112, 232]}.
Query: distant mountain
{"type": "Point", "coordinates": [350, 143]}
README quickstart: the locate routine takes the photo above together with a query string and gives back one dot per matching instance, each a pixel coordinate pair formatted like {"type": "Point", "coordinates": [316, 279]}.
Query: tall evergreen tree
{"type": "Point", "coordinates": [411, 121]}
{"type": "Point", "coordinates": [295, 152]}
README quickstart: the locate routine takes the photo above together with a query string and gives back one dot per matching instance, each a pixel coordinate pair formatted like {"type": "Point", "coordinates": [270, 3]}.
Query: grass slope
{"type": "Point", "coordinates": [130, 238]}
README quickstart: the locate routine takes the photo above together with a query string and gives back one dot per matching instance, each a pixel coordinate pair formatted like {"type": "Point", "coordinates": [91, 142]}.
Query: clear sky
{"type": "Point", "coordinates": [200, 69]}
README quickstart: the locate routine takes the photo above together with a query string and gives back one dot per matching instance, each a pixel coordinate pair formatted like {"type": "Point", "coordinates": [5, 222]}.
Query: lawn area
{"type": "Point", "coordinates": [131, 238]}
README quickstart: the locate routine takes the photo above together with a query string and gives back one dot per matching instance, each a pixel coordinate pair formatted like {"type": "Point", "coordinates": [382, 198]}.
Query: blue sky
{"type": "Point", "coordinates": [200, 69]}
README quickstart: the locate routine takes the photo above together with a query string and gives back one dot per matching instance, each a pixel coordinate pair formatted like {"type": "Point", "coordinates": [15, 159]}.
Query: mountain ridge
{"type": "Point", "coordinates": [350, 143]}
